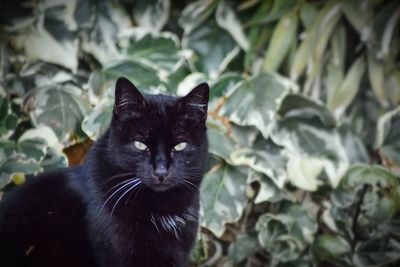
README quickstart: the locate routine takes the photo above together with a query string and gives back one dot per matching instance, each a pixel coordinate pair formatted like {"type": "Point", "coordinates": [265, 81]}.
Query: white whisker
{"type": "Point", "coordinates": [118, 190]}
{"type": "Point", "coordinates": [116, 203]}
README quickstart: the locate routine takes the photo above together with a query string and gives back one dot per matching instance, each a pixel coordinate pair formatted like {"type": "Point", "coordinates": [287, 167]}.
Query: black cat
{"type": "Point", "coordinates": [135, 200]}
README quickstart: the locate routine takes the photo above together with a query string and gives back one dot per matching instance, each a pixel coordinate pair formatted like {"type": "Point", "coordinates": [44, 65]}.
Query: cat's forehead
{"type": "Point", "coordinates": [161, 117]}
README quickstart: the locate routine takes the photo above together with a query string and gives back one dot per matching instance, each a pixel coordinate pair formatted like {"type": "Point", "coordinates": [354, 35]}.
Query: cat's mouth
{"type": "Point", "coordinates": [161, 187]}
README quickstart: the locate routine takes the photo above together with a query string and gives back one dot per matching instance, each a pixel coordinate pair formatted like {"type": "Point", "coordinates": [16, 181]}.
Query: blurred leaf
{"type": "Point", "coordinates": [244, 246]}
{"type": "Point", "coordinates": [224, 197]}
{"type": "Point", "coordinates": [377, 79]}
{"type": "Point", "coordinates": [254, 102]}
{"type": "Point", "coordinates": [54, 160]}
{"type": "Point", "coordinates": [20, 157]}
{"type": "Point", "coordinates": [308, 12]}
{"type": "Point", "coordinates": [227, 19]}
{"type": "Point", "coordinates": [330, 247]}
{"type": "Point", "coordinates": [377, 252]}
{"type": "Point", "coordinates": [97, 122]}
{"type": "Point", "coordinates": [151, 15]}
{"type": "Point", "coordinates": [264, 157]}
{"type": "Point", "coordinates": [51, 38]}
{"type": "Point", "coordinates": [342, 98]}
{"type": "Point", "coordinates": [8, 120]}
{"type": "Point", "coordinates": [388, 137]}
{"type": "Point", "coordinates": [140, 74]}
{"type": "Point", "coordinates": [355, 149]}
{"type": "Point", "coordinates": [59, 107]}
{"type": "Point", "coordinates": [196, 13]}
{"type": "Point", "coordinates": [287, 234]}
{"type": "Point", "coordinates": [313, 46]}
{"type": "Point", "coordinates": [281, 40]}
{"type": "Point", "coordinates": [221, 145]}
{"type": "Point", "coordinates": [100, 40]}
{"type": "Point", "coordinates": [298, 105]}
{"type": "Point", "coordinates": [306, 129]}
{"type": "Point", "coordinates": [160, 51]}
{"type": "Point", "coordinates": [214, 48]}
{"type": "Point", "coordinates": [303, 171]}
{"type": "Point", "coordinates": [279, 8]}
{"type": "Point", "coordinates": [361, 174]}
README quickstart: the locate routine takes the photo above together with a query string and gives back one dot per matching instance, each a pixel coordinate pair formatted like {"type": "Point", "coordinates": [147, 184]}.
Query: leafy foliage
{"type": "Point", "coordinates": [304, 123]}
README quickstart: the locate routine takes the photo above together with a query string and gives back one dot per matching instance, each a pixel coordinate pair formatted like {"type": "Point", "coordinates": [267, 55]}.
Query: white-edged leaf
{"type": "Point", "coordinates": [223, 194]}
{"type": "Point", "coordinates": [227, 19]}
{"type": "Point", "coordinates": [254, 102]}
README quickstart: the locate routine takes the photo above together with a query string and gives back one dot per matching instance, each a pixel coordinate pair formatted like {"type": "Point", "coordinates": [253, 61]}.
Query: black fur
{"type": "Point", "coordinates": [85, 216]}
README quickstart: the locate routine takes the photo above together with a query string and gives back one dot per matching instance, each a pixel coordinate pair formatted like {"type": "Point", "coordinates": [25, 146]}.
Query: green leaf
{"type": "Point", "coordinates": [377, 252]}
{"type": "Point", "coordinates": [312, 47]}
{"type": "Point", "coordinates": [97, 122]}
{"type": "Point", "coordinates": [213, 46]}
{"type": "Point", "coordinates": [220, 144]}
{"type": "Point", "coordinates": [51, 38]}
{"type": "Point", "coordinates": [22, 157]}
{"type": "Point", "coordinates": [244, 246]}
{"type": "Point", "coordinates": [227, 19]}
{"type": "Point", "coordinates": [287, 234]}
{"type": "Point", "coordinates": [140, 74]}
{"type": "Point", "coordinates": [151, 15]}
{"type": "Point", "coordinates": [303, 171]}
{"type": "Point", "coordinates": [8, 120]}
{"type": "Point", "coordinates": [100, 41]}
{"type": "Point", "coordinates": [196, 13]}
{"type": "Point", "coordinates": [345, 94]}
{"type": "Point", "coordinates": [54, 160]}
{"type": "Point", "coordinates": [377, 78]}
{"type": "Point", "coordinates": [59, 107]}
{"type": "Point", "coordinates": [298, 105]}
{"type": "Point", "coordinates": [388, 136]}
{"type": "Point", "coordinates": [223, 194]}
{"type": "Point", "coordinates": [359, 175]}
{"type": "Point", "coordinates": [308, 12]}
{"type": "Point", "coordinates": [265, 157]}
{"type": "Point", "coordinates": [160, 51]}
{"type": "Point", "coordinates": [281, 40]}
{"type": "Point", "coordinates": [254, 102]}
{"type": "Point", "coordinates": [306, 130]}
{"type": "Point", "coordinates": [268, 191]}
{"type": "Point", "coordinates": [330, 247]}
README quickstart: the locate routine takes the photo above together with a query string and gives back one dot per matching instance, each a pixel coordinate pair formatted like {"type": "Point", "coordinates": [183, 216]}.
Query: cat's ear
{"type": "Point", "coordinates": [129, 102]}
{"type": "Point", "coordinates": [195, 103]}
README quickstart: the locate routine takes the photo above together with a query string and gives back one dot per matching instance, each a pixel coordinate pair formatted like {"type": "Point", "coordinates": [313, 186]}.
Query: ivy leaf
{"type": "Point", "coordinates": [223, 194]}
{"type": "Point", "coordinates": [330, 247]}
{"type": "Point", "coordinates": [244, 246]}
{"type": "Point", "coordinates": [8, 121]}
{"type": "Point", "coordinates": [265, 157]}
{"type": "Point", "coordinates": [306, 128]}
{"type": "Point", "coordinates": [20, 157]}
{"type": "Point", "coordinates": [151, 15]}
{"type": "Point", "coordinates": [287, 234]}
{"type": "Point", "coordinates": [160, 51]}
{"type": "Point", "coordinates": [59, 107]}
{"type": "Point", "coordinates": [214, 48]}
{"type": "Point", "coordinates": [139, 73]}
{"type": "Point", "coordinates": [254, 102]}
{"type": "Point", "coordinates": [377, 252]}
{"type": "Point", "coordinates": [388, 137]}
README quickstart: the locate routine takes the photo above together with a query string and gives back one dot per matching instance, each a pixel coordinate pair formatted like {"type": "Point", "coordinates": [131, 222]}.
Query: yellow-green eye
{"type": "Point", "coordinates": [180, 146]}
{"type": "Point", "coordinates": [139, 145]}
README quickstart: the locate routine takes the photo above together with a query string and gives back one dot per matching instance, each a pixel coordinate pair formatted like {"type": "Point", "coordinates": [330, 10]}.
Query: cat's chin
{"type": "Point", "coordinates": [161, 187]}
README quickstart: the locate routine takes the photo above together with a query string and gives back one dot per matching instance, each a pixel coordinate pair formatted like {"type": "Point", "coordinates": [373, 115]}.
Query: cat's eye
{"type": "Point", "coordinates": [180, 146]}
{"type": "Point", "coordinates": [139, 145]}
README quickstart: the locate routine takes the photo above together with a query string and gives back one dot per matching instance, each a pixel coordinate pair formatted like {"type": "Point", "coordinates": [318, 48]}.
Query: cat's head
{"type": "Point", "coordinates": [161, 139]}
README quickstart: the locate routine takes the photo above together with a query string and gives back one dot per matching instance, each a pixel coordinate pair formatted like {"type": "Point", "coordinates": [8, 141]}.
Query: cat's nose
{"type": "Point", "coordinates": [161, 172]}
